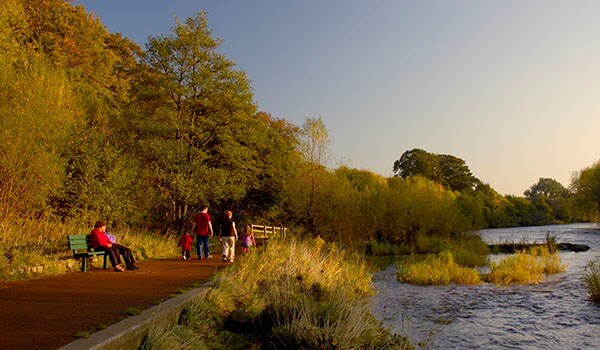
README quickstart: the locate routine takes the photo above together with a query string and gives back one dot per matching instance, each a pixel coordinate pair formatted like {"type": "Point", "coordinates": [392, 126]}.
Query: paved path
{"type": "Point", "coordinates": [46, 313]}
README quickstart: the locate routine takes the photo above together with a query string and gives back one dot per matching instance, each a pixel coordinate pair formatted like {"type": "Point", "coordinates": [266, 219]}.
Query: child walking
{"type": "Point", "coordinates": [186, 245]}
{"type": "Point", "coordinates": [247, 239]}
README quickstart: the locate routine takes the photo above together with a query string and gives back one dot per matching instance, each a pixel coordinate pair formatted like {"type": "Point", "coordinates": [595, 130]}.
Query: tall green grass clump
{"type": "Point", "coordinates": [292, 294]}
{"type": "Point", "coordinates": [592, 280]}
{"type": "Point", "coordinates": [440, 269]}
{"type": "Point", "coordinates": [526, 267]}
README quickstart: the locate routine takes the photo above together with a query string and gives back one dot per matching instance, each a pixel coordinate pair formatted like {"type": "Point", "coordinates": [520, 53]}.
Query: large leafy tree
{"type": "Point", "coordinates": [450, 171]}
{"type": "Point", "coordinates": [69, 77]}
{"type": "Point", "coordinates": [549, 193]}
{"type": "Point", "coordinates": [546, 187]}
{"type": "Point", "coordinates": [196, 128]}
{"type": "Point", "coordinates": [418, 162]}
{"type": "Point", "coordinates": [455, 174]}
{"type": "Point", "coordinates": [274, 140]}
{"type": "Point", "coordinates": [587, 191]}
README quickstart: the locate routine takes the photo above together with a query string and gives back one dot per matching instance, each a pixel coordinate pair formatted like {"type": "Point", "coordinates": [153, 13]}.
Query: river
{"type": "Point", "coordinates": [555, 314]}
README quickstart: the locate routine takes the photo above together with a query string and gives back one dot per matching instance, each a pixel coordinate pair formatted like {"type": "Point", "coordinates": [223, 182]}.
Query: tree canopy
{"type": "Point", "coordinates": [448, 170]}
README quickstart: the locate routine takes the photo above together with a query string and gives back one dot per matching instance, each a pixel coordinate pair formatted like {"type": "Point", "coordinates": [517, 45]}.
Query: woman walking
{"type": "Point", "coordinates": [228, 235]}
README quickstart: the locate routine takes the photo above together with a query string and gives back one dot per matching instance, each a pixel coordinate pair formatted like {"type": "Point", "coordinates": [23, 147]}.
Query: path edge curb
{"type": "Point", "coordinates": [131, 332]}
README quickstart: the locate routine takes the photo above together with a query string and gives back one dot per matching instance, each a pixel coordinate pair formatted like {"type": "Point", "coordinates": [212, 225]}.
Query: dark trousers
{"type": "Point", "coordinates": [113, 255]}
{"type": "Point", "coordinates": [202, 241]}
{"type": "Point", "coordinates": [126, 252]}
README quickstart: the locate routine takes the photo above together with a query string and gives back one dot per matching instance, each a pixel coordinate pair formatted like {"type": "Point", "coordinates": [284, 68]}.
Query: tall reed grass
{"type": "Point", "coordinates": [26, 243]}
{"type": "Point", "coordinates": [439, 269]}
{"type": "Point", "coordinates": [526, 267]}
{"type": "Point", "coordinates": [592, 280]}
{"type": "Point", "coordinates": [289, 294]}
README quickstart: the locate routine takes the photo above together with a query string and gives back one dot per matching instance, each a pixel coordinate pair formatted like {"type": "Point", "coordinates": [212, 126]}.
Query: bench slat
{"type": "Point", "coordinates": [82, 243]}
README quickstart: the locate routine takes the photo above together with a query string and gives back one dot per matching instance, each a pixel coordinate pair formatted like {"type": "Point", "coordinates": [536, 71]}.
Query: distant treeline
{"type": "Point", "coordinates": [93, 126]}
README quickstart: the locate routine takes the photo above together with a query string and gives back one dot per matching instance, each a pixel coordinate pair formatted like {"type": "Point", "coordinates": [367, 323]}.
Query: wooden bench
{"type": "Point", "coordinates": [80, 245]}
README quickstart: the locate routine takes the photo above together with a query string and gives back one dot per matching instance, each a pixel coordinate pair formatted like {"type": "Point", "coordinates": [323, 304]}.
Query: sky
{"type": "Point", "coordinates": [510, 86]}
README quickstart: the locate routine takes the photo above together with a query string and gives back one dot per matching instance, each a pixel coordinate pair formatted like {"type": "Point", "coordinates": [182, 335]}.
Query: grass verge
{"type": "Point", "coordinates": [292, 294]}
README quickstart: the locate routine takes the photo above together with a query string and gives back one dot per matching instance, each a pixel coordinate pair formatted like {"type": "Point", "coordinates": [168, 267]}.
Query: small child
{"type": "Point", "coordinates": [247, 239]}
{"type": "Point", "coordinates": [186, 245]}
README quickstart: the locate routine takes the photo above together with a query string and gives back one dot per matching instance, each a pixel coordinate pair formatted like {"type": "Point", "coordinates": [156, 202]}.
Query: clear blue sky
{"type": "Point", "coordinates": [511, 87]}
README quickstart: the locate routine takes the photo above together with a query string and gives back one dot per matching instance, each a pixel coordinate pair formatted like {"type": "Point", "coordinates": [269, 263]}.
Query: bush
{"type": "Point", "coordinates": [592, 280]}
{"type": "Point", "coordinates": [440, 269]}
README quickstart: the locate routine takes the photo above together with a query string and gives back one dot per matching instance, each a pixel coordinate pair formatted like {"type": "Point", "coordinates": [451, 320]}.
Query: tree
{"type": "Point", "coordinates": [455, 174]}
{"type": "Point", "coordinates": [418, 162]}
{"type": "Point", "coordinates": [275, 141]}
{"type": "Point", "coordinates": [586, 186]}
{"type": "Point", "coordinates": [554, 195]}
{"type": "Point", "coordinates": [309, 193]}
{"type": "Point", "coordinates": [450, 171]}
{"type": "Point", "coordinates": [196, 124]}
{"type": "Point", "coordinates": [548, 188]}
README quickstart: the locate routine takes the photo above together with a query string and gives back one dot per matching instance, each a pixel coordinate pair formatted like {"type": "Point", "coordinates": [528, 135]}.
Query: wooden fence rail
{"type": "Point", "coordinates": [266, 232]}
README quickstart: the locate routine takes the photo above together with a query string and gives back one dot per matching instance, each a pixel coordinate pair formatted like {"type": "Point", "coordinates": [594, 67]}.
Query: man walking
{"type": "Point", "coordinates": [203, 230]}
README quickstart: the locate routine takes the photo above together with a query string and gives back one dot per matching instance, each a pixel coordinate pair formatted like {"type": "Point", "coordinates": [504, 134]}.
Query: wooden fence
{"type": "Point", "coordinates": [266, 232]}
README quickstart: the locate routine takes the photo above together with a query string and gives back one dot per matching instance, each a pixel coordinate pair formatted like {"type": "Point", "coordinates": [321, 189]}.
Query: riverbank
{"type": "Point", "coordinates": [289, 295]}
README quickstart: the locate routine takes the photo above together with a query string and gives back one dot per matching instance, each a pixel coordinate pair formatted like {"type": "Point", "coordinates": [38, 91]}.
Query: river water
{"type": "Point", "coordinates": [555, 314]}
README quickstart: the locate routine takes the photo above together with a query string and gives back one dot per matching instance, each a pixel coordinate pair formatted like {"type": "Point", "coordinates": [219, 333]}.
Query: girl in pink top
{"type": "Point", "coordinates": [247, 239]}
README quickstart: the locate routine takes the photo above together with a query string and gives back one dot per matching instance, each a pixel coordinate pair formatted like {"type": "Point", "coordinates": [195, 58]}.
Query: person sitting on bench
{"type": "Point", "coordinates": [99, 241]}
{"type": "Point", "coordinates": [123, 250]}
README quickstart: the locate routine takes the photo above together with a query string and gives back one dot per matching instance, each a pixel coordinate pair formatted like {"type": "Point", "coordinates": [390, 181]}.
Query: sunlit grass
{"type": "Point", "coordinates": [440, 269]}
{"type": "Point", "coordinates": [290, 294]}
{"type": "Point", "coordinates": [526, 267]}
{"type": "Point", "coordinates": [592, 280]}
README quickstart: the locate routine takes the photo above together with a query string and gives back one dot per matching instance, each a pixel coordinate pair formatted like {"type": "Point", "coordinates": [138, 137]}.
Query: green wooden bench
{"type": "Point", "coordinates": [80, 245]}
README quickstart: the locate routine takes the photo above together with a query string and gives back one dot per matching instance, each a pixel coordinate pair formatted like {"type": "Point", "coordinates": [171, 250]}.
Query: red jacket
{"type": "Point", "coordinates": [98, 239]}
{"type": "Point", "coordinates": [185, 242]}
